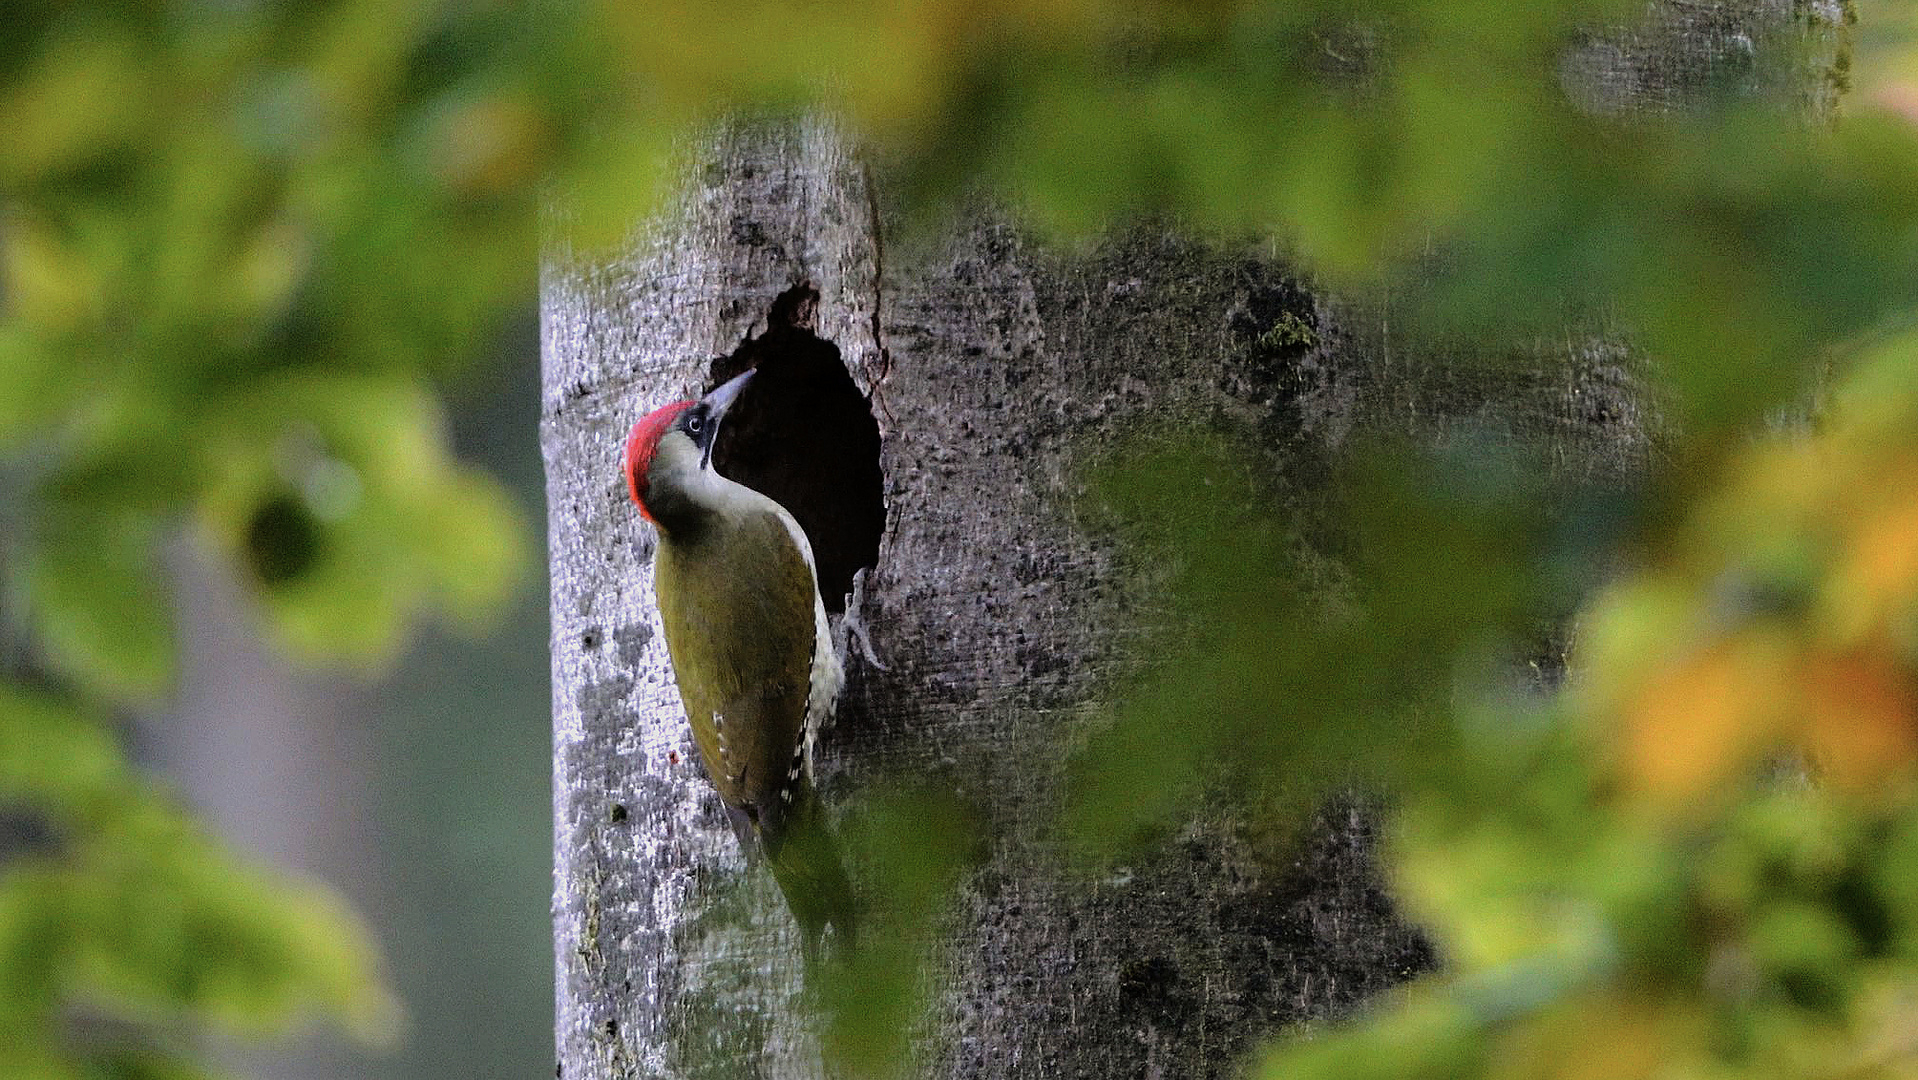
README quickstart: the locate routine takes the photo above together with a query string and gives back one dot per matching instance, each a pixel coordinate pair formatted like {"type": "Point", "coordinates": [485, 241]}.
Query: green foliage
{"type": "Point", "coordinates": [1428, 575]}
{"type": "Point", "coordinates": [1695, 862]}
{"type": "Point", "coordinates": [1699, 851]}
{"type": "Point", "coordinates": [120, 908]}
{"type": "Point", "coordinates": [1698, 856]}
{"type": "Point", "coordinates": [240, 244]}
{"type": "Point", "coordinates": [874, 998]}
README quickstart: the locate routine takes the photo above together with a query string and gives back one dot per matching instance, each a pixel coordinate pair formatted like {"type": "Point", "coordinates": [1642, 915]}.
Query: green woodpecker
{"type": "Point", "coordinates": [751, 652]}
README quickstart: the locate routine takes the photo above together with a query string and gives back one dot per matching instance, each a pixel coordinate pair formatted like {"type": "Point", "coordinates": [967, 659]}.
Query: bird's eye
{"type": "Point", "coordinates": [694, 423]}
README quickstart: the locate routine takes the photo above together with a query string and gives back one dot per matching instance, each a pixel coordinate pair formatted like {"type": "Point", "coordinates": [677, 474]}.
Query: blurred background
{"type": "Point", "coordinates": [422, 795]}
{"type": "Point", "coordinates": [273, 707]}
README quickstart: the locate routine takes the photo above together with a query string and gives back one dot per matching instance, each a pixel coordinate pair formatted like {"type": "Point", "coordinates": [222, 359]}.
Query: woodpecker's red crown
{"type": "Point", "coordinates": [699, 420]}
{"type": "Point", "coordinates": [643, 442]}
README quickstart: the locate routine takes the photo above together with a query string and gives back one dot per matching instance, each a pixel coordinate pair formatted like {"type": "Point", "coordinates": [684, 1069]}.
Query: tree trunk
{"type": "Point", "coordinates": [998, 372]}
{"type": "Point", "coordinates": [649, 984]}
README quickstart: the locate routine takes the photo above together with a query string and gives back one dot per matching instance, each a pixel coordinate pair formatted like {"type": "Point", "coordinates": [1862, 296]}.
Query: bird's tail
{"type": "Point", "coordinates": [805, 861]}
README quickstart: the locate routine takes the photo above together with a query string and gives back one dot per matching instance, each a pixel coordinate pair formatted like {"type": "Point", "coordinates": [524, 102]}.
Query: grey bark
{"type": "Point", "coordinates": [998, 370]}
{"type": "Point", "coordinates": [1004, 624]}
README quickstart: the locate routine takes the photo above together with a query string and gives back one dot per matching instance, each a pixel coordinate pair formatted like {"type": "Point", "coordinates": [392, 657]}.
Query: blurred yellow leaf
{"type": "Point", "coordinates": [45, 279]}
{"type": "Point", "coordinates": [1619, 1033]}
{"type": "Point", "coordinates": [1699, 719]}
{"type": "Point", "coordinates": [1879, 575]}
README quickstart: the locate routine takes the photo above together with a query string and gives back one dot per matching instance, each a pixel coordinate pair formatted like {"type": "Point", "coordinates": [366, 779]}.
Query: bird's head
{"type": "Point", "coordinates": [675, 442]}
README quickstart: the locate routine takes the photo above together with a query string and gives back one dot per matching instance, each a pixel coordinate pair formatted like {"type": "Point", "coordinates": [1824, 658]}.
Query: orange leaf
{"type": "Point", "coordinates": [1860, 718]}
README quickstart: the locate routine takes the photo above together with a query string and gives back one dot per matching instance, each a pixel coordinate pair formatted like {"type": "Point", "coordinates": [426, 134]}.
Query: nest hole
{"type": "Point", "coordinates": [804, 435]}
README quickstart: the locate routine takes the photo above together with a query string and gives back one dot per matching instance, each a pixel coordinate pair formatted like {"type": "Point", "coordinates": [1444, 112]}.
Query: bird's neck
{"type": "Point", "coordinates": [688, 501]}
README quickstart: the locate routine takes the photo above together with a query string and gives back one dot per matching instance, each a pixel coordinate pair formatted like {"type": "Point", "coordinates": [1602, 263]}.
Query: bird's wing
{"type": "Point", "coordinates": [742, 634]}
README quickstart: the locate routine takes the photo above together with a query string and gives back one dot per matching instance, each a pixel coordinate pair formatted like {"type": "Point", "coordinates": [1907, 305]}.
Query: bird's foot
{"type": "Point", "coordinates": [852, 625]}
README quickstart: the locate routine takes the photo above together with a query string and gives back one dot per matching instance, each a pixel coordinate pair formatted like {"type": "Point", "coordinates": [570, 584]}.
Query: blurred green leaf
{"type": "Point", "coordinates": [126, 911]}
{"type": "Point", "coordinates": [83, 94]}
{"type": "Point", "coordinates": [1428, 1038]}
{"type": "Point", "coordinates": [98, 604]}
{"type": "Point", "coordinates": [915, 846]}
{"type": "Point", "coordinates": [54, 760]}
{"type": "Point", "coordinates": [36, 387]}
{"type": "Point", "coordinates": [473, 542]}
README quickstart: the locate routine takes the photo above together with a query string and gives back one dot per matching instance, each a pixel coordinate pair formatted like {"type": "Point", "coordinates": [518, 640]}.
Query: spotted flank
{"type": "Point", "coordinates": [719, 743]}
{"type": "Point", "coordinates": [795, 771]}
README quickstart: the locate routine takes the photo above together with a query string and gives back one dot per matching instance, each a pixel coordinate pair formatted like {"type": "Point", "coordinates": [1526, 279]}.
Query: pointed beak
{"type": "Point", "coordinates": [721, 399]}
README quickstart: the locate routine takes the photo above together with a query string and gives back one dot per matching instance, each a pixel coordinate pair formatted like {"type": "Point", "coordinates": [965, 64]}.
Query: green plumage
{"type": "Point", "coordinates": [737, 602]}
{"type": "Point", "coordinates": [737, 597]}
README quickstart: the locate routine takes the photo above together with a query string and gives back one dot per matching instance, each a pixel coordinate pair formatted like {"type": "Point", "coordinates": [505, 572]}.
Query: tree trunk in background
{"type": "Point", "coordinates": [999, 371]}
